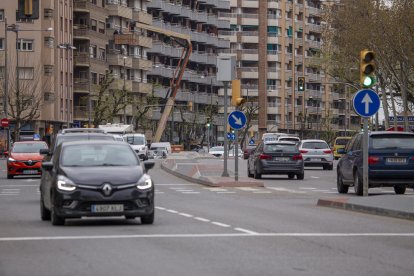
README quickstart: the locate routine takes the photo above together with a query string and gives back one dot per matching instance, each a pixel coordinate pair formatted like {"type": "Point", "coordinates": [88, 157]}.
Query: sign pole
{"type": "Point", "coordinates": [365, 159]}
{"type": "Point", "coordinates": [236, 156]}
{"type": "Point", "coordinates": [225, 172]}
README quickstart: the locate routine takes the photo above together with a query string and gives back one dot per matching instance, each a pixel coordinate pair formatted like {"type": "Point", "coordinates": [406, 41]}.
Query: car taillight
{"type": "Point", "coordinates": [372, 160]}
{"type": "Point", "coordinates": [303, 151]}
{"type": "Point", "coordinates": [327, 151]}
{"type": "Point", "coordinates": [297, 157]}
{"type": "Point", "coordinates": [265, 157]}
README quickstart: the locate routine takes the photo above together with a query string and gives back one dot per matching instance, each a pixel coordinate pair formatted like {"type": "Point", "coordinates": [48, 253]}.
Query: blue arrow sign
{"type": "Point", "coordinates": [366, 102]}
{"type": "Point", "coordinates": [251, 142]}
{"type": "Point", "coordinates": [237, 120]}
{"type": "Point", "coordinates": [231, 136]}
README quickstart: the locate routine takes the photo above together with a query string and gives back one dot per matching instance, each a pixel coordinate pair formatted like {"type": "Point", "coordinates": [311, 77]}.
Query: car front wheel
{"type": "Point", "coordinates": [300, 176]}
{"type": "Point", "coordinates": [358, 184]}
{"type": "Point", "coordinates": [149, 219]}
{"type": "Point", "coordinates": [44, 213]}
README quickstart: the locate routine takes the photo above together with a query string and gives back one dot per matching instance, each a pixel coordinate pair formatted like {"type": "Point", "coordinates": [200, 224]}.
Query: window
{"type": "Point", "coordinates": [94, 78]}
{"type": "Point", "coordinates": [48, 14]}
{"type": "Point", "coordinates": [93, 25]}
{"type": "Point", "coordinates": [93, 51]}
{"type": "Point", "coordinates": [102, 54]}
{"type": "Point", "coordinates": [49, 42]}
{"type": "Point", "coordinates": [25, 45]}
{"type": "Point", "coordinates": [102, 27]}
{"type": "Point", "coordinates": [1, 15]}
{"type": "Point", "coordinates": [2, 44]}
{"type": "Point", "coordinates": [26, 73]}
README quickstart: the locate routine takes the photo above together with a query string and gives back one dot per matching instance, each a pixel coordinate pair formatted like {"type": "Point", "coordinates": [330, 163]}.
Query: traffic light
{"type": "Point", "coordinates": [236, 99]}
{"type": "Point", "coordinates": [208, 125]}
{"type": "Point", "coordinates": [28, 9]}
{"type": "Point", "coordinates": [301, 84]}
{"type": "Point", "coordinates": [367, 68]}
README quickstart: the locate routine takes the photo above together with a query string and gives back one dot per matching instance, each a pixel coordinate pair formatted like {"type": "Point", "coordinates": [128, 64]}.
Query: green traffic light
{"type": "Point", "coordinates": [368, 81]}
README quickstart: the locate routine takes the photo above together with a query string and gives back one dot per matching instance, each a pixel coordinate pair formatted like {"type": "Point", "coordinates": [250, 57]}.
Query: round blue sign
{"type": "Point", "coordinates": [366, 102]}
{"type": "Point", "coordinates": [237, 120]}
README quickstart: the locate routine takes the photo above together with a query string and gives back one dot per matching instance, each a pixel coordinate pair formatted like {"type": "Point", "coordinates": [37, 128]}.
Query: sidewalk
{"type": "Point", "coordinates": [206, 170]}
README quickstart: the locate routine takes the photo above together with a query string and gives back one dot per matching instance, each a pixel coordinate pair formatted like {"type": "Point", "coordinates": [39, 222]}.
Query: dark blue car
{"type": "Point", "coordinates": [390, 160]}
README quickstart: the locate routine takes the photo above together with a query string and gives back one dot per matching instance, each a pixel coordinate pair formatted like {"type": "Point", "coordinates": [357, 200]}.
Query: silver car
{"type": "Point", "coordinates": [316, 153]}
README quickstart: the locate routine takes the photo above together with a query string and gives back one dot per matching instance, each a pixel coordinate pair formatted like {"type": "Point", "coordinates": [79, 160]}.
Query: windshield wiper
{"type": "Point", "coordinates": [110, 164]}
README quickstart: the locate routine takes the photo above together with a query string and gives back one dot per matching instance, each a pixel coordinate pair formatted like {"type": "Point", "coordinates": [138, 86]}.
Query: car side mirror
{"type": "Point", "coordinates": [6, 153]}
{"type": "Point", "coordinates": [341, 151]}
{"type": "Point", "coordinates": [48, 166]}
{"type": "Point", "coordinates": [44, 151]}
{"type": "Point", "coordinates": [148, 165]}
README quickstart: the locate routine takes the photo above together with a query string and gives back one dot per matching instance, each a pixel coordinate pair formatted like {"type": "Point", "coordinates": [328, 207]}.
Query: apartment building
{"type": "Point", "coordinates": [199, 87]}
{"type": "Point", "coordinates": [44, 79]}
{"type": "Point", "coordinates": [107, 41]}
{"type": "Point", "coordinates": [275, 42]}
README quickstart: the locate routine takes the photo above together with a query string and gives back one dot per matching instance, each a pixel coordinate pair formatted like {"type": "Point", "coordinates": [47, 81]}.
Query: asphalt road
{"type": "Point", "coordinates": [275, 230]}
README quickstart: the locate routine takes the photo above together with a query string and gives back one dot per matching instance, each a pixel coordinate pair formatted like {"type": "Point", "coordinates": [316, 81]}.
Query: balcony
{"type": "Point", "coordinates": [80, 85]}
{"type": "Point", "coordinates": [80, 113]}
{"type": "Point", "coordinates": [116, 59]}
{"type": "Point", "coordinates": [119, 10]}
{"type": "Point", "coordinates": [141, 87]}
{"type": "Point", "coordinates": [249, 72]}
{"type": "Point", "coordinates": [142, 64]}
{"type": "Point", "coordinates": [118, 84]}
{"type": "Point", "coordinates": [85, 6]}
{"type": "Point", "coordinates": [250, 37]}
{"type": "Point", "coordinates": [133, 39]}
{"type": "Point", "coordinates": [83, 32]}
{"type": "Point", "coordinates": [142, 16]}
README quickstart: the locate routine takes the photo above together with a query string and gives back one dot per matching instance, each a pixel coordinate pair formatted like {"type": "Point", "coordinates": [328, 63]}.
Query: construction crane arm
{"type": "Point", "coordinates": [185, 42]}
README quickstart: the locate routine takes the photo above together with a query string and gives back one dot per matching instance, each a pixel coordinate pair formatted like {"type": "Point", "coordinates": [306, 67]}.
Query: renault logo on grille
{"type": "Point", "coordinates": [107, 189]}
{"type": "Point", "coordinates": [29, 162]}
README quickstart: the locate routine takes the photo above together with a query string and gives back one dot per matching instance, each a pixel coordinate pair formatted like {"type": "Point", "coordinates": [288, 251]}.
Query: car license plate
{"type": "Point", "coordinates": [315, 159]}
{"type": "Point", "coordinates": [397, 160]}
{"type": "Point", "coordinates": [107, 208]}
{"type": "Point", "coordinates": [29, 172]}
{"type": "Point", "coordinates": [282, 159]}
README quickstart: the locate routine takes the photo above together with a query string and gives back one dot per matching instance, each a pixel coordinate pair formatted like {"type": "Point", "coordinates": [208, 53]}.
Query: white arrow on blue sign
{"type": "Point", "coordinates": [366, 102]}
{"type": "Point", "coordinates": [237, 120]}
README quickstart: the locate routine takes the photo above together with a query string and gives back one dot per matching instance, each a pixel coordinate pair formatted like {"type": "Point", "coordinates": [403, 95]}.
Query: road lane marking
{"type": "Point", "coordinates": [223, 235]}
{"type": "Point", "coordinates": [226, 192]}
{"type": "Point", "coordinates": [220, 224]}
{"type": "Point", "coordinates": [202, 219]}
{"type": "Point", "coordinates": [315, 177]}
{"type": "Point", "coordinates": [246, 231]}
{"type": "Point", "coordinates": [186, 215]}
{"type": "Point", "coordinates": [172, 211]}
{"type": "Point", "coordinates": [287, 190]}
{"type": "Point", "coordinates": [307, 188]}
{"type": "Point", "coordinates": [262, 192]}
{"type": "Point", "coordinates": [193, 192]}
{"type": "Point", "coordinates": [19, 185]}
{"type": "Point", "coordinates": [160, 208]}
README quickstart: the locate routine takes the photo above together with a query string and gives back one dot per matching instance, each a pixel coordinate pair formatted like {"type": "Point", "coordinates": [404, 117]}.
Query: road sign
{"type": "Point", "coordinates": [251, 142]}
{"type": "Point", "coordinates": [4, 122]}
{"type": "Point", "coordinates": [231, 136]}
{"type": "Point", "coordinates": [76, 124]}
{"type": "Point", "coordinates": [237, 120]}
{"type": "Point", "coordinates": [366, 102]}
{"type": "Point", "coordinates": [401, 119]}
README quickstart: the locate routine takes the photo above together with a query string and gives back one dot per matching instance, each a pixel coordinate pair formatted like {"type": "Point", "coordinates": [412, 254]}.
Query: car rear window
{"type": "Point", "coordinates": [342, 142]}
{"type": "Point", "coordinates": [315, 145]}
{"type": "Point", "coordinates": [271, 148]}
{"type": "Point", "coordinates": [84, 137]}
{"type": "Point", "coordinates": [394, 141]}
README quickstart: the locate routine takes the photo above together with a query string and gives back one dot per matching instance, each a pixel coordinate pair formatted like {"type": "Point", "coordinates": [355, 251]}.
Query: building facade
{"type": "Point", "coordinates": [40, 87]}
{"type": "Point", "coordinates": [275, 42]}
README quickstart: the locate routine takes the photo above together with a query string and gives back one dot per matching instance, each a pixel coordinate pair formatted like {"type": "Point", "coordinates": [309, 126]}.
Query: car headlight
{"type": "Point", "coordinates": [11, 159]}
{"type": "Point", "coordinates": [65, 184]}
{"type": "Point", "coordinates": [144, 183]}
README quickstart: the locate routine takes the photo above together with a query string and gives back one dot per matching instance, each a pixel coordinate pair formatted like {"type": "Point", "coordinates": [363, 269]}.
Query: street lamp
{"type": "Point", "coordinates": [124, 90]}
{"type": "Point", "coordinates": [67, 47]}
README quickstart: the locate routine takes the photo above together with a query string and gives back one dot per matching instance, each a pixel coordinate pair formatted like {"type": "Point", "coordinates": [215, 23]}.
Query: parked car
{"type": "Point", "coordinates": [166, 145]}
{"type": "Point", "coordinates": [217, 151]}
{"type": "Point", "coordinates": [390, 162]}
{"type": "Point", "coordinates": [158, 152]}
{"type": "Point", "coordinates": [316, 153]}
{"type": "Point", "coordinates": [276, 158]}
{"type": "Point", "coordinates": [96, 178]}
{"type": "Point", "coordinates": [138, 143]}
{"type": "Point", "coordinates": [24, 158]}
{"type": "Point", "coordinates": [248, 150]}
{"type": "Point", "coordinates": [340, 143]}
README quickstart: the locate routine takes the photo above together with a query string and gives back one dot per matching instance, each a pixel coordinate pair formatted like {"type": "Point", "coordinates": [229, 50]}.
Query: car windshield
{"type": "Point", "coordinates": [315, 145]}
{"type": "Point", "coordinates": [135, 140]}
{"type": "Point", "coordinates": [83, 137]}
{"type": "Point", "coordinates": [159, 148]}
{"type": "Point", "coordinates": [269, 148]}
{"type": "Point", "coordinates": [392, 141]}
{"type": "Point", "coordinates": [28, 147]}
{"type": "Point", "coordinates": [342, 142]}
{"type": "Point", "coordinates": [98, 155]}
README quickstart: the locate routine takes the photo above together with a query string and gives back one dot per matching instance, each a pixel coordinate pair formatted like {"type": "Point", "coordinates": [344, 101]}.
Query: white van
{"type": "Point", "coordinates": [138, 144]}
{"type": "Point", "coordinates": [166, 145]}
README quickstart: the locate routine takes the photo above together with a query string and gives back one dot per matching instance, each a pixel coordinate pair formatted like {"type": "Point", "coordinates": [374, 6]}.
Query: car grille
{"type": "Point", "coordinates": [31, 163]}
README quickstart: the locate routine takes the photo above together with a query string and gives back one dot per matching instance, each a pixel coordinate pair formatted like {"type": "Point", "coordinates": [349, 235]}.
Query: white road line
{"type": "Point", "coordinates": [216, 189]}
{"type": "Point", "coordinates": [9, 194]}
{"type": "Point", "coordinates": [246, 231]}
{"type": "Point", "coordinates": [223, 235]}
{"type": "Point", "coordinates": [186, 215]}
{"type": "Point", "coordinates": [182, 191]}
{"type": "Point", "coordinates": [191, 192]}
{"type": "Point", "coordinates": [247, 189]}
{"type": "Point", "coordinates": [315, 177]}
{"type": "Point", "coordinates": [220, 224]}
{"type": "Point", "coordinates": [11, 189]}
{"type": "Point", "coordinates": [263, 192]}
{"type": "Point", "coordinates": [19, 185]}
{"type": "Point", "coordinates": [227, 192]}
{"type": "Point", "coordinates": [287, 190]}
{"type": "Point", "coordinates": [320, 191]}
{"type": "Point", "coordinates": [171, 211]}
{"type": "Point", "coordinates": [202, 219]}
{"type": "Point", "coordinates": [160, 208]}
{"type": "Point", "coordinates": [307, 188]}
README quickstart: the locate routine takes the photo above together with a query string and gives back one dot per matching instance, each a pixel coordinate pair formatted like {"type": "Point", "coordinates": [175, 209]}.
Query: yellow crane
{"type": "Point", "coordinates": [185, 42]}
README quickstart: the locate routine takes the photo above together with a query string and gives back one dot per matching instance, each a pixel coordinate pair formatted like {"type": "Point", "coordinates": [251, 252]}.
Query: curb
{"type": "Point", "coordinates": [342, 203]}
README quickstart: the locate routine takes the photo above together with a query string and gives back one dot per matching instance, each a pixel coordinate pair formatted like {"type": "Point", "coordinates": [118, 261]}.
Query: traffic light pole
{"type": "Point", "coordinates": [225, 172]}
{"type": "Point", "coordinates": [365, 159]}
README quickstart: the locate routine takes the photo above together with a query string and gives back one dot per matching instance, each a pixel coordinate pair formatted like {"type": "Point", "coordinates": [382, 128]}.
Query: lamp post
{"type": "Point", "coordinates": [124, 90]}
{"type": "Point", "coordinates": [68, 47]}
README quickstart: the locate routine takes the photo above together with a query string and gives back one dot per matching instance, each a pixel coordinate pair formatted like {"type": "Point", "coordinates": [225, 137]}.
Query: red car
{"type": "Point", "coordinates": [25, 159]}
